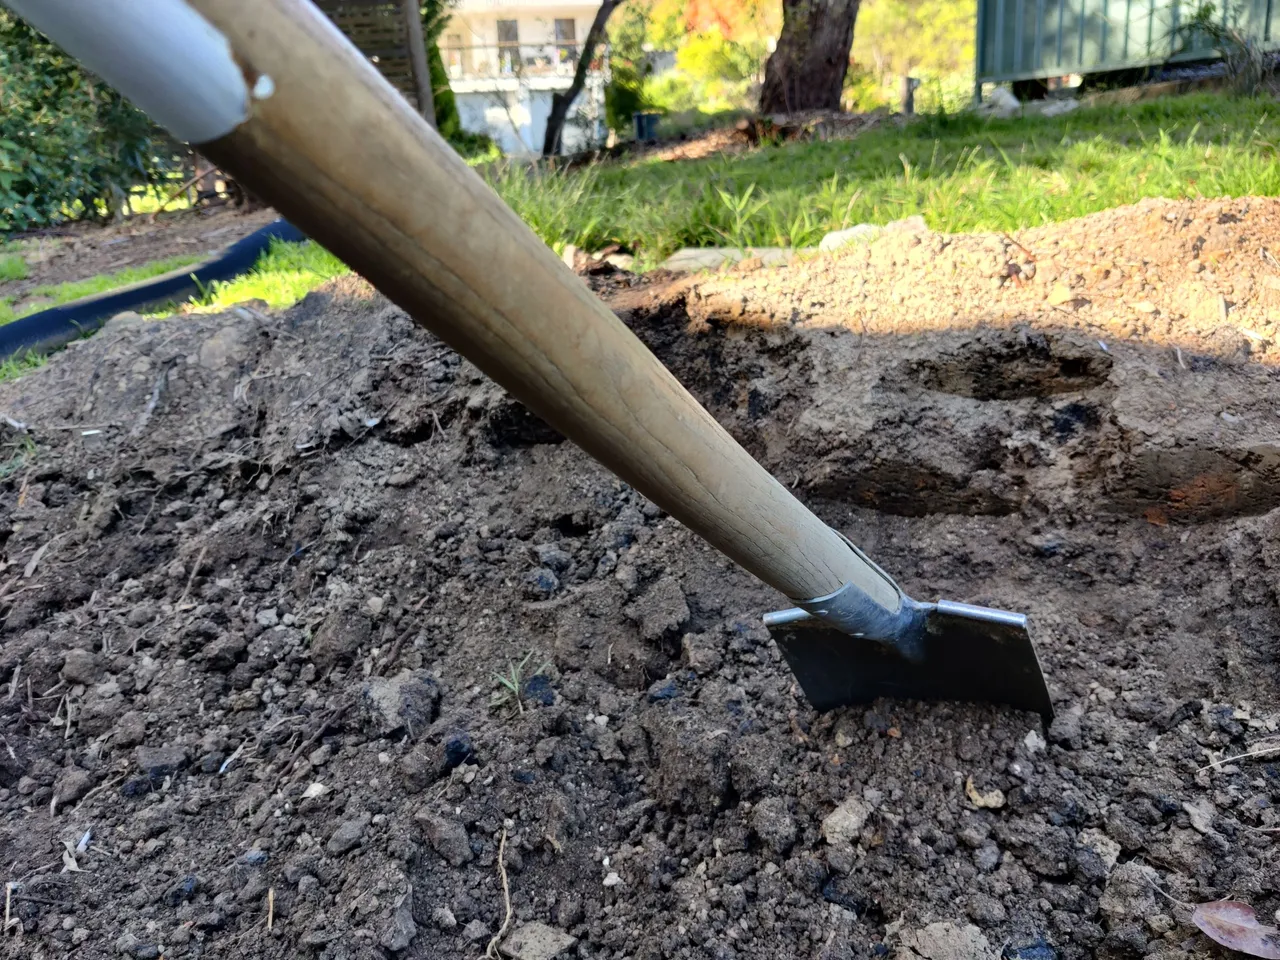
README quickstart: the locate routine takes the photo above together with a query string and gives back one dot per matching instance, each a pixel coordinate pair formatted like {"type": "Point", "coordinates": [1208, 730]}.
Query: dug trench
{"type": "Point", "coordinates": [271, 581]}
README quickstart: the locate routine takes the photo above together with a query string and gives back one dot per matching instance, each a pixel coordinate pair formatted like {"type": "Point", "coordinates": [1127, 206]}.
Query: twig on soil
{"type": "Point", "coordinates": [1178, 353]}
{"type": "Point", "coordinates": [1170, 897]}
{"type": "Point", "coordinates": [8, 907]}
{"type": "Point", "coordinates": [307, 744]}
{"type": "Point", "coordinates": [389, 660]}
{"type": "Point", "coordinates": [26, 898]}
{"type": "Point", "coordinates": [271, 907]}
{"type": "Point", "coordinates": [235, 755]}
{"type": "Point", "coordinates": [36, 872]}
{"type": "Point", "coordinates": [174, 196]}
{"type": "Point", "coordinates": [1263, 749]}
{"type": "Point", "coordinates": [152, 403]}
{"type": "Point", "coordinates": [1030, 256]}
{"type": "Point", "coordinates": [191, 579]}
{"type": "Point", "coordinates": [492, 950]}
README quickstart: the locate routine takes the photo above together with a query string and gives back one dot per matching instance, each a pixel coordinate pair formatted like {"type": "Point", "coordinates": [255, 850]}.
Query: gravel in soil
{"type": "Point", "coordinates": [316, 644]}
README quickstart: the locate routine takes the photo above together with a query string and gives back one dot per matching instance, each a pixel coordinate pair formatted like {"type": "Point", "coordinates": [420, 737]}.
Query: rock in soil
{"type": "Point", "coordinates": [944, 941]}
{"type": "Point", "coordinates": [537, 941]}
{"type": "Point", "coordinates": [308, 564]}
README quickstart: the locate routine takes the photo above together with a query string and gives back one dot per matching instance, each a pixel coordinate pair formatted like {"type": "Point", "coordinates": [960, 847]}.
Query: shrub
{"type": "Point", "coordinates": [70, 146]}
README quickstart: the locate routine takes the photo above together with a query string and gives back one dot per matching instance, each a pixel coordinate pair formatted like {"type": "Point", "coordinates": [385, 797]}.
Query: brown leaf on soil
{"type": "Point", "coordinates": [1234, 925]}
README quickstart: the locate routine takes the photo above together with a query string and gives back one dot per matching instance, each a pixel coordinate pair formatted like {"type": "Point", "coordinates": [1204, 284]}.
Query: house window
{"type": "Point", "coordinates": [509, 46]}
{"type": "Point", "coordinates": [453, 54]}
{"type": "Point", "coordinates": [566, 41]}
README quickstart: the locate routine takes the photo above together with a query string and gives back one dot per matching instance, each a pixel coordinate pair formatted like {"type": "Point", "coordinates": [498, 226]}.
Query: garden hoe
{"type": "Point", "coordinates": [272, 92]}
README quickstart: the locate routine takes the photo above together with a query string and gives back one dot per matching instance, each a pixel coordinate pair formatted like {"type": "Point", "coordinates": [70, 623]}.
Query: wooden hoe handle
{"type": "Point", "coordinates": [332, 146]}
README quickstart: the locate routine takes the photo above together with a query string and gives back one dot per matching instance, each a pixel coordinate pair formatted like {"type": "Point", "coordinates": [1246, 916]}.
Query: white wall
{"type": "Point", "coordinates": [517, 119]}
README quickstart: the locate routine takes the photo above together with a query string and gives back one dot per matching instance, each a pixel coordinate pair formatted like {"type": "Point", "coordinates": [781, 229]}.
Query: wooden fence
{"type": "Point", "coordinates": [388, 32]}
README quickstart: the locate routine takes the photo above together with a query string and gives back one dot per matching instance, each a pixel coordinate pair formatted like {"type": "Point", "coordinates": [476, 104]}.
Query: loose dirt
{"type": "Point", "coordinates": [263, 572]}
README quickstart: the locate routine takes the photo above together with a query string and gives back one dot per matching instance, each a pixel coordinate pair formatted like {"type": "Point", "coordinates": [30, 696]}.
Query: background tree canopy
{"type": "Point", "coordinates": [69, 145]}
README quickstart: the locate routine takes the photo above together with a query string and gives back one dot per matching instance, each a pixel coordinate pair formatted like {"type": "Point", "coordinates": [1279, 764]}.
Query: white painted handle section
{"type": "Point", "coordinates": [161, 54]}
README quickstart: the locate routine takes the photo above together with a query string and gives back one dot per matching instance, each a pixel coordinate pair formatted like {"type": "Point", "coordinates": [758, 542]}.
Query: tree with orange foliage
{"type": "Point", "coordinates": [739, 21]}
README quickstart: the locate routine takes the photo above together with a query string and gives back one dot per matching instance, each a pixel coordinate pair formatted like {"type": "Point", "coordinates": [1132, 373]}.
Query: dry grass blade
{"type": "Point", "coordinates": [36, 557]}
{"type": "Point", "coordinates": [491, 952]}
{"type": "Point", "coordinates": [1268, 747]}
{"type": "Point", "coordinates": [190, 580]}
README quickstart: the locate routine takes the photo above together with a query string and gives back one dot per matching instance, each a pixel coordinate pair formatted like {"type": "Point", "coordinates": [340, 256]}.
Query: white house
{"type": "Point", "coordinates": [506, 58]}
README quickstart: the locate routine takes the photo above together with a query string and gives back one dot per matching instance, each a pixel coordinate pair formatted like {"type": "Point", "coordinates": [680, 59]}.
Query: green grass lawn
{"type": "Point", "coordinates": [283, 275]}
{"type": "Point", "coordinates": [961, 172]}
{"type": "Point", "coordinates": [15, 367]}
{"type": "Point", "coordinates": [12, 267]}
{"type": "Point", "coordinates": [52, 295]}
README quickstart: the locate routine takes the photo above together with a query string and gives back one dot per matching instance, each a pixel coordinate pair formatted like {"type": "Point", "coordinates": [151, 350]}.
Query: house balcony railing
{"type": "Point", "coordinates": [515, 60]}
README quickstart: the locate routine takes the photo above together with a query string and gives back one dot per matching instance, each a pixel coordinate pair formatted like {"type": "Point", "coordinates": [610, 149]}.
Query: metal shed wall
{"type": "Point", "coordinates": [1026, 39]}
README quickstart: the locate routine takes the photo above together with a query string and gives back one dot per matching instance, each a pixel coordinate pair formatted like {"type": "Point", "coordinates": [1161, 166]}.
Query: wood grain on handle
{"type": "Point", "coordinates": [348, 161]}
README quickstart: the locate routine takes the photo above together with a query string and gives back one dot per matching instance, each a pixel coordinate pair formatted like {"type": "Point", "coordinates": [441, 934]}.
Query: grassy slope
{"type": "Point", "coordinates": [960, 172]}
{"type": "Point", "coordinates": [52, 295]}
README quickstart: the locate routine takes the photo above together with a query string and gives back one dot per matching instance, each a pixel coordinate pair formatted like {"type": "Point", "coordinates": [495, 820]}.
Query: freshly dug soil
{"type": "Point", "coordinates": [269, 581]}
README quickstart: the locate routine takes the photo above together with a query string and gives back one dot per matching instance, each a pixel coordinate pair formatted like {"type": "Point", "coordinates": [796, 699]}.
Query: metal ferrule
{"type": "Point", "coordinates": [852, 610]}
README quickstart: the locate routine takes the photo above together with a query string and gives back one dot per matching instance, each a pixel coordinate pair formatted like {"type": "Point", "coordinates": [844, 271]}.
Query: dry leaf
{"type": "Point", "coordinates": [1234, 925]}
{"type": "Point", "coordinates": [35, 561]}
{"type": "Point", "coordinates": [69, 864]}
{"type": "Point", "coordinates": [991, 800]}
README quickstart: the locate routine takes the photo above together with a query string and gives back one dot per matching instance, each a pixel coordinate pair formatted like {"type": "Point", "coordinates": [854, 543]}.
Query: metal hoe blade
{"type": "Point", "coordinates": [956, 652]}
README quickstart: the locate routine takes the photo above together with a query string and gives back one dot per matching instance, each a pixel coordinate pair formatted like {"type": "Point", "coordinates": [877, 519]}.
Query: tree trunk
{"type": "Point", "coordinates": [418, 59]}
{"type": "Point", "coordinates": [806, 70]}
{"type": "Point", "coordinates": [562, 101]}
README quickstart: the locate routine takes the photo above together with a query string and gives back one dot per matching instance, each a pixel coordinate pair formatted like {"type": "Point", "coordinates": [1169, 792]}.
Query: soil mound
{"type": "Point", "coordinates": [271, 583]}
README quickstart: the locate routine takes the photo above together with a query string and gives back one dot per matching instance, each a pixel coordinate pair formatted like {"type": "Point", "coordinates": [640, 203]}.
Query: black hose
{"type": "Point", "coordinates": [42, 333]}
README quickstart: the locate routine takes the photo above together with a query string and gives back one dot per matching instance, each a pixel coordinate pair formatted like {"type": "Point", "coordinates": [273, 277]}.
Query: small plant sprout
{"type": "Point", "coordinates": [741, 210]}
{"type": "Point", "coordinates": [510, 685]}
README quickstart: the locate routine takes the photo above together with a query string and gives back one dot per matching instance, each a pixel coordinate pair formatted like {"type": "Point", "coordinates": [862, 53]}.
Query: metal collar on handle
{"type": "Point", "coordinates": [852, 610]}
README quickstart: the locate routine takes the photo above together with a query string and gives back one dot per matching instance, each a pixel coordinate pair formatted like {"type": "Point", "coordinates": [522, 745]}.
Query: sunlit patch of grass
{"type": "Point", "coordinates": [52, 295]}
{"type": "Point", "coordinates": [961, 172]}
{"type": "Point", "coordinates": [285, 274]}
{"type": "Point", "coordinates": [12, 267]}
